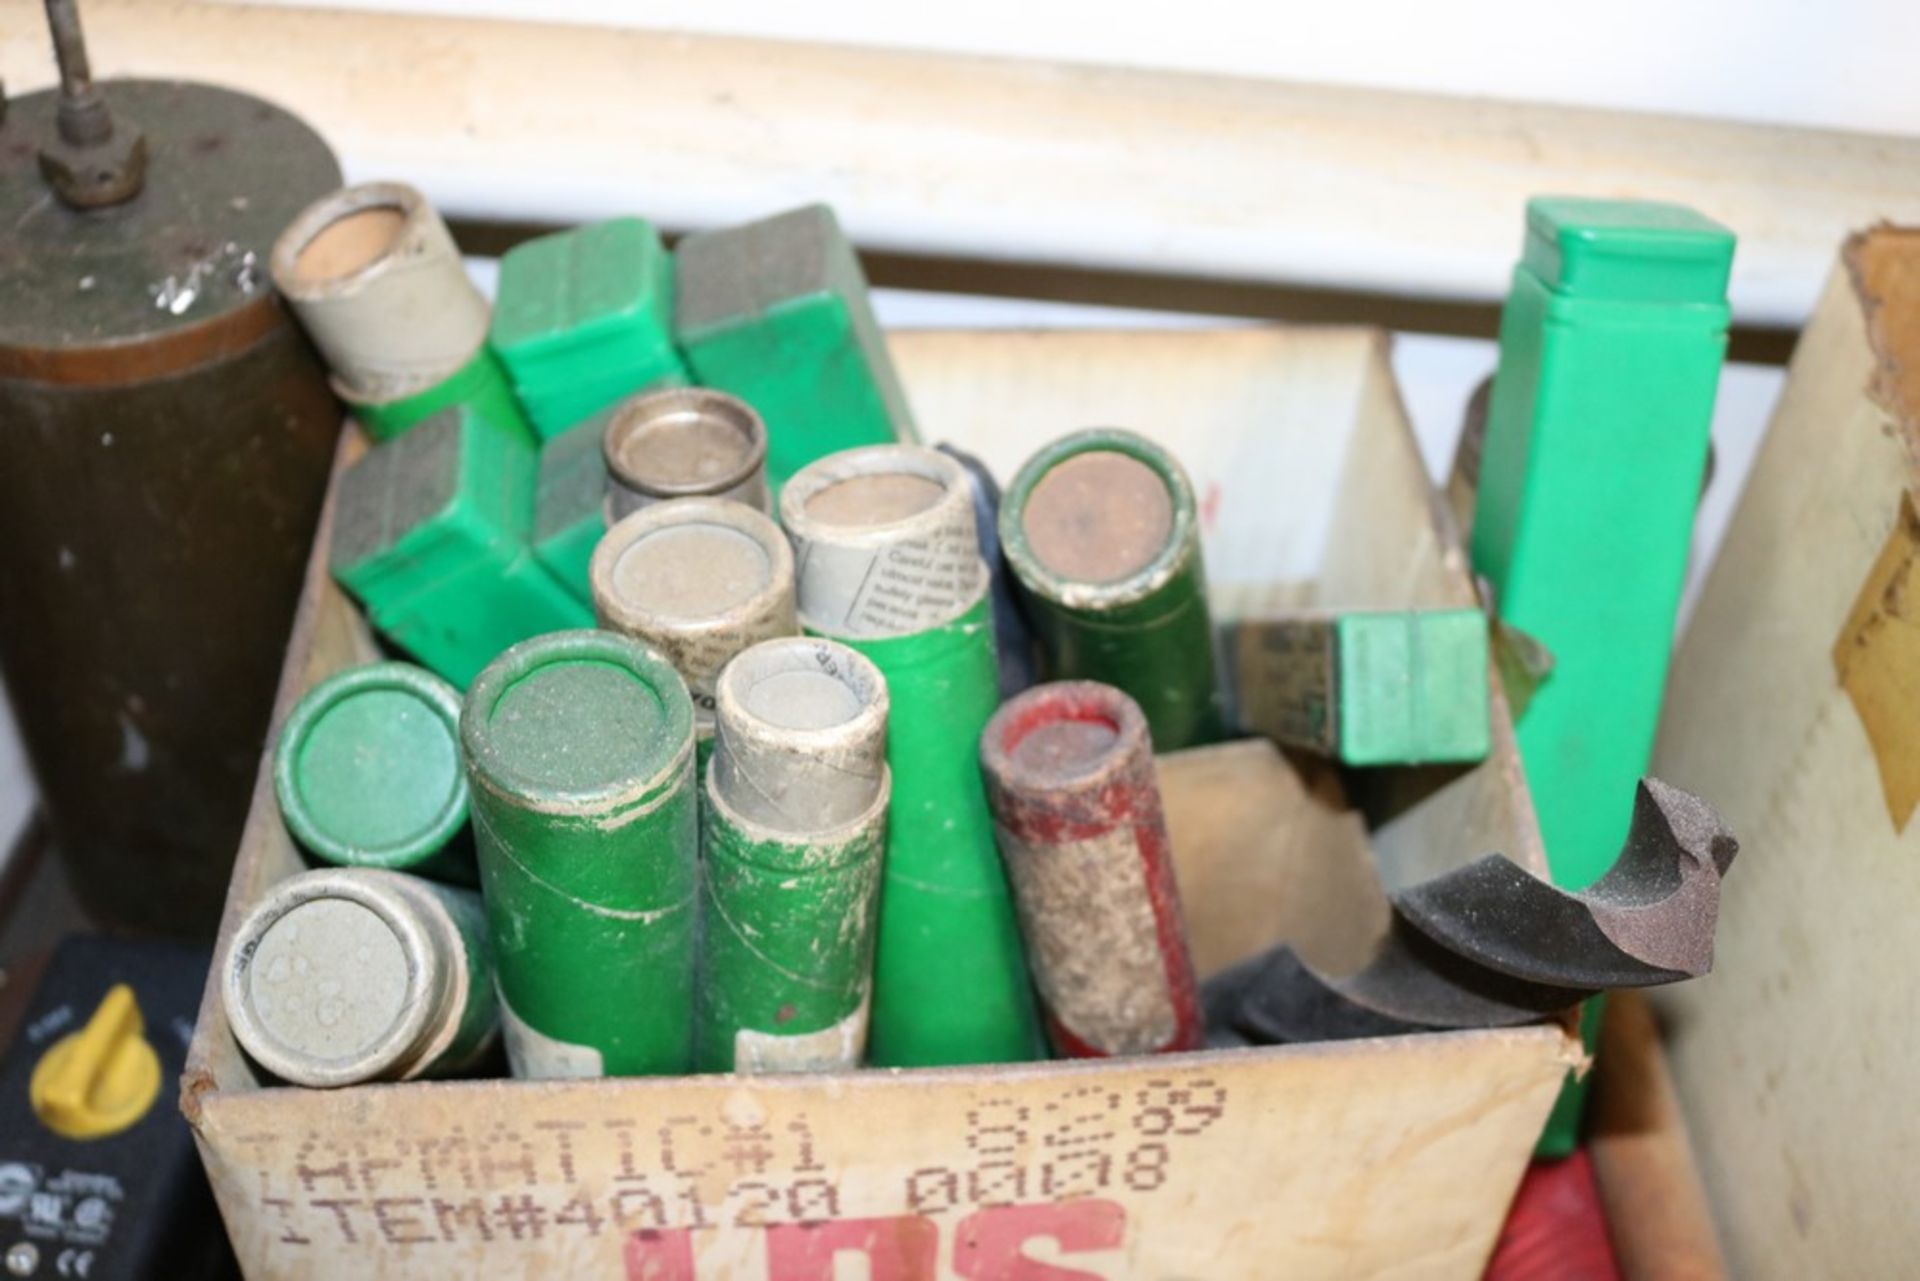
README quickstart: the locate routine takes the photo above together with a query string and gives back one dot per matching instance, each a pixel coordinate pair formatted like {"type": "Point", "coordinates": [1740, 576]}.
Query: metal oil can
{"type": "Point", "coordinates": [165, 441]}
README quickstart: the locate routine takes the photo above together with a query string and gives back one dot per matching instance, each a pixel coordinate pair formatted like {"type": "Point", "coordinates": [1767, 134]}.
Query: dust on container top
{"type": "Point", "coordinates": [700, 579]}
{"type": "Point", "coordinates": [684, 442]}
{"type": "Point", "coordinates": [350, 974]}
{"type": "Point", "coordinates": [368, 773]}
{"type": "Point", "coordinates": [580, 752]}
{"type": "Point", "coordinates": [1101, 529]}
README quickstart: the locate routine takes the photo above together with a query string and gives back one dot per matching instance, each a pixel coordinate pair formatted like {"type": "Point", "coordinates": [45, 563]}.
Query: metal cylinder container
{"type": "Point", "coordinates": [341, 976]}
{"type": "Point", "coordinates": [795, 831]}
{"type": "Point", "coordinates": [889, 565]}
{"type": "Point", "coordinates": [579, 750]}
{"type": "Point", "coordinates": [699, 579]}
{"type": "Point", "coordinates": [1102, 531]}
{"type": "Point", "coordinates": [1076, 810]}
{"type": "Point", "coordinates": [368, 773]}
{"type": "Point", "coordinates": [165, 440]}
{"type": "Point", "coordinates": [684, 442]}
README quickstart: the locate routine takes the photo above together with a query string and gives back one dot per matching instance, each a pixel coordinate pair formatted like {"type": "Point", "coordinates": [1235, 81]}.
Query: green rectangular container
{"type": "Point", "coordinates": [1610, 351]}
{"type": "Point", "coordinates": [431, 537]}
{"type": "Point", "coordinates": [776, 312]}
{"type": "Point", "coordinates": [569, 506]}
{"type": "Point", "coordinates": [585, 317]}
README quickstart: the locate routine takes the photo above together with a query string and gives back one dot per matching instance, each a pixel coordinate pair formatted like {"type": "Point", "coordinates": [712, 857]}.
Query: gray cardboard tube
{"type": "Point", "coordinates": [885, 541]}
{"type": "Point", "coordinates": [699, 579]}
{"type": "Point", "coordinates": [377, 282]}
{"type": "Point", "coordinates": [801, 735]}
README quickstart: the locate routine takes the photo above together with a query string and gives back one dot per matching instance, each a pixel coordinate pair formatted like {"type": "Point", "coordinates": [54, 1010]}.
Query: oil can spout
{"type": "Point", "coordinates": [92, 160]}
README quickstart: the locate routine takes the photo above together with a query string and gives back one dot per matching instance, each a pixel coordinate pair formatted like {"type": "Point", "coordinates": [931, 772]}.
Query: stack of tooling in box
{"type": "Point", "coordinates": [718, 749]}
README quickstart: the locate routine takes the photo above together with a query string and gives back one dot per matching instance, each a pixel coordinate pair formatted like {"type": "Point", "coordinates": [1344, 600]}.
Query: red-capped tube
{"type": "Point", "coordinates": [1076, 810]}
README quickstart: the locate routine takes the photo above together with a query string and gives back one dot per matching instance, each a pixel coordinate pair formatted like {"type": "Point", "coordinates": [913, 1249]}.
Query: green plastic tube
{"type": "Point", "coordinates": [579, 749]}
{"type": "Point", "coordinates": [786, 973]}
{"type": "Point", "coordinates": [569, 505]}
{"type": "Point", "coordinates": [480, 384]}
{"type": "Point", "coordinates": [584, 317]}
{"type": "Point", "coordinates": [430, 535]}
{"type": "Point", "coordinates": [1101, 529]}
{"type": "Point", "coordinates": [951, 979]}
{"type": "Point", "coordinates": [795, 830]}
{"type": "Point", "coordinates": [1366, 687]}
{"type": "Point", "coordinates": [889, 566]}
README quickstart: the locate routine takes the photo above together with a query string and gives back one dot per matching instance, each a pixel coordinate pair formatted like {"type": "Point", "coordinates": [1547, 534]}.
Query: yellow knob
{"type": "Point", "coordinates": [101, 1079]}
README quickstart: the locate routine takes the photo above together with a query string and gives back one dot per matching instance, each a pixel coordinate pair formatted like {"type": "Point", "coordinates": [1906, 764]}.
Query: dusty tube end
{"type": "Point", "coordinates": [692, 565]}
{"type": "Point", "coordinates": [684, 442]}
{"type": "Point", "coordinates": [335, 978]}
{"type": "Point", "coordinates": [800, 735]}
{"type": "Point", "coordinates": [334, 775]}
{"type": "Point", "coordinates": [700, 579]}
{"type": "Point", "coordinates": [1099, 518]}
{"type": "Point", "coordinates": [342, 238]}
{"type": "Point", "coordinates": [377, 282]}
{"type": "Point", "coordinates": [885, 539]}
{"type": "Point", "coordinates": [578, 723]}
{"type": "Point", "coordinates": [1067, 735]}
{"type": "Point", "coordinates": [874, 493]}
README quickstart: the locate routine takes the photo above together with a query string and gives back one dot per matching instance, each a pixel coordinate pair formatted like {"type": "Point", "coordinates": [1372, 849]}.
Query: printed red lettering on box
{"type": "Point", "coordinates": [904, 1248]}
{"type": "Point", "coordinates": [990, 1245]}
{"type": "Point", "coordinates": [653, 1255]}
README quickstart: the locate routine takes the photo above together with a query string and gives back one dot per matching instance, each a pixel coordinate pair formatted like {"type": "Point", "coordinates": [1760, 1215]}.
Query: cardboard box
{"type": "Point", "coordinates": [1791, 705]}
{"type": "Point", "coordinates": [1368, 1158]}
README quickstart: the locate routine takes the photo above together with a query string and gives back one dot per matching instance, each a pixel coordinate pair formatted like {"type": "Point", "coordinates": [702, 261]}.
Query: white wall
{"type": "Point", "coordinates": [1844, 64]}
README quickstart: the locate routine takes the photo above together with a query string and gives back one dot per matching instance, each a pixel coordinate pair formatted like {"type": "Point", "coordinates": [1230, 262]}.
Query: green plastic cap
{"type": "Point", "coordinates": [749, 270]}
{"type": "Point", "coordinates": [1627, 250]}
{"type": "Point", "coordinates": [561, 291]}
{"type": "Point", "coordinates": [368, 768]}
{"type": "Point", "coordinates": [576, 721]}
{"type": "Point", "coordinates": [453, 492]}
{"type": "Point", "coordinates": [1413, 687]}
